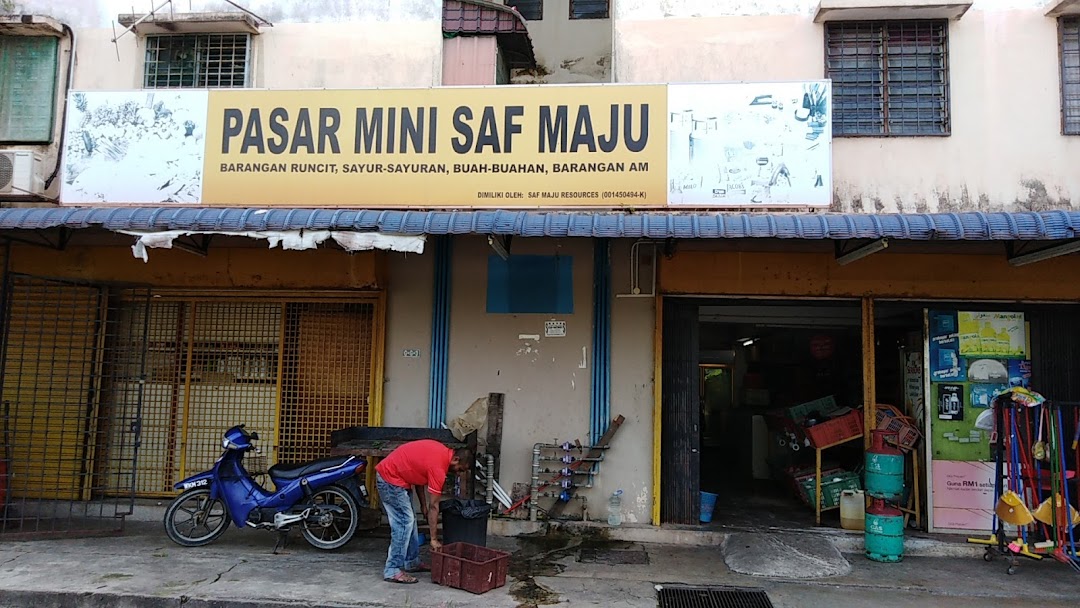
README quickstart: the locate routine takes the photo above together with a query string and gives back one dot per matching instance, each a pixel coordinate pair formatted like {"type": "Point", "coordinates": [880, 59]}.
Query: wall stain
{"type": "Point", "coordinates": [879, 206]}
{"type": "Point", "coordinates": [1037, 197]}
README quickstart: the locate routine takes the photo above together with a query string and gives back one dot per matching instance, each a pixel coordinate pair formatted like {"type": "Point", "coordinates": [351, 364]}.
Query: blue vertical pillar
{"type": "Point", "coordinates": [600, 384]}
{"type": "Point", "coordinates": [440, 332]}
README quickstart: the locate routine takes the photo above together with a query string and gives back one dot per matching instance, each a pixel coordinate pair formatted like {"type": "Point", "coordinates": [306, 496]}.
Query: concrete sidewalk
{"type": "Point", "coordinates": [143, 568]}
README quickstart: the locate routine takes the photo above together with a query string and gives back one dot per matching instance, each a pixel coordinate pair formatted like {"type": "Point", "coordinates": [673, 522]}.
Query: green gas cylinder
{"type": "Point", "coordinates": [884, 470]}
{"type": "Point", "coordinates": [884, 538]}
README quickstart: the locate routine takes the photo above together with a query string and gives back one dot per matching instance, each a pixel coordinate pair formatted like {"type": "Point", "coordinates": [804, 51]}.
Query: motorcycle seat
{"type": "Point", "coordinates": [289, 472]}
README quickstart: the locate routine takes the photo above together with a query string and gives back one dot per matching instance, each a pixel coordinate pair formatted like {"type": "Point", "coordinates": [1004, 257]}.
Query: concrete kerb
{"type": "Point", "coordinates": [845, 541]}
{"type": "Point", "coordinates": [86, 599]}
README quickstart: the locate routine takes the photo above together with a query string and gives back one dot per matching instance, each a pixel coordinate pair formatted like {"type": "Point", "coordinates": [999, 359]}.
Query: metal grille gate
{"type": "Point", "coordinates": [291, 370]}
{"type": "Point", "coordinates": [72, 366]}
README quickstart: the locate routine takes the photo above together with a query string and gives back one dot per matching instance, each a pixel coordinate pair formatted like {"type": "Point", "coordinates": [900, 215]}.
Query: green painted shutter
{"type": "Point", "coordinates": [28, 68]}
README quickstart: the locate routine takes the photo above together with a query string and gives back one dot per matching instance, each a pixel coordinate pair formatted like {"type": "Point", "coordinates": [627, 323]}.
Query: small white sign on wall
{"type": "Point", "coordinates": [554, 329]}
{"type": "Point", "coordinates": [411, 353]}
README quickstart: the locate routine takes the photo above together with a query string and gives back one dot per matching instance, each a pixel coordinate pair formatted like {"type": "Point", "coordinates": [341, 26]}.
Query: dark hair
{"type": "Point", "coordinates": [463, 454]}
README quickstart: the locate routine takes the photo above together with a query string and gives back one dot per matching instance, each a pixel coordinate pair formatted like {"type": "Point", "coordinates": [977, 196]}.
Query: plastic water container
{"type": "Point", "coordinates": [853, 510]}
{"type": "Point", "coordinates": [708, 504]}
{"type": "Point", "coordinates": [614, 515]}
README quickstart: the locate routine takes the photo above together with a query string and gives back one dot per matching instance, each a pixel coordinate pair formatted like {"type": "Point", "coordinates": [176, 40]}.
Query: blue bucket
{"type": "Point", "coordinates": [708, 503]}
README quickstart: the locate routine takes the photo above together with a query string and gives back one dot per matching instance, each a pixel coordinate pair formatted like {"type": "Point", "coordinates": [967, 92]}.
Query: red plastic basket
{"type": "Point", "coordinates": [836, 430]}
{"type": "Point", "coordinates": [470, 567]}
{"type": "Point", "coordinates": [893, 420]}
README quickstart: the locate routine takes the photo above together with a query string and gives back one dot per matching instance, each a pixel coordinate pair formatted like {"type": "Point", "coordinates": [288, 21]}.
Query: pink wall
{"type": "Point", "coordinates": [469, 60]}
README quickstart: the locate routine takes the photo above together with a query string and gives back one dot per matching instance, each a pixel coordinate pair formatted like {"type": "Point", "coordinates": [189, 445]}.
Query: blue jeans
{"type": "Point", "coordinates": [404, 553]}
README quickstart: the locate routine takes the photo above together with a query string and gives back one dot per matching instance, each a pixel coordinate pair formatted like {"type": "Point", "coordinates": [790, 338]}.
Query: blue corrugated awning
{"type": "Point", "coordinates": [971, 226]}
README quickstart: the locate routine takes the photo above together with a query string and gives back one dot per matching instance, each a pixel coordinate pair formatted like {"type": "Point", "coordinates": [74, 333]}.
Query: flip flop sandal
{"type": "Point", "coordinates": [402, 578]}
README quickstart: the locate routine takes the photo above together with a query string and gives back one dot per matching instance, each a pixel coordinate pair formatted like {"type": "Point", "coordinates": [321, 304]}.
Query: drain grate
{"type": "Point", "coordinates": [613, 557]}
{"type": "Point", "coordinates": [683, 596]}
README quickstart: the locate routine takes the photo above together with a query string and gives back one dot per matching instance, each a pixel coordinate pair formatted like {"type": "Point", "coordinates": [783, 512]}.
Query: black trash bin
{"type": "Point", "coordinates": [465, 521]}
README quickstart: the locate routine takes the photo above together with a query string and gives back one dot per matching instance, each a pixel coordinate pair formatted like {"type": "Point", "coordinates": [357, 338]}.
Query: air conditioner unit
{"type": "Point", "coordinates": [20, 173]}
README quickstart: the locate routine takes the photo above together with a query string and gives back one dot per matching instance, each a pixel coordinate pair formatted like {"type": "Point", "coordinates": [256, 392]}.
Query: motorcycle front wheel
{"type": "Point", "coordinates": [194, 520]}
{"type": "Point", "coordinates": [329, 529]}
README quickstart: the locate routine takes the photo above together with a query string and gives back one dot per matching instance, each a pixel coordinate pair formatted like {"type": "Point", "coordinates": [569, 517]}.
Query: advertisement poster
{"type": "Point", "coordinates": [963, 495]}
{"type": "Point", "coordinates": [992, 334]}
{"type": "Point", "coordinates": [1020, 373]}
{"type": "Point", "coordinates": [755, 144]}
{"type": "Point", "coordinates": [945, 363]}
{"type": "Point", "coordinates": [733, 145]}
{"type": "Point", "coordinates": [950, 401]}
{"type": "Point", "coordinates": [913, 384]}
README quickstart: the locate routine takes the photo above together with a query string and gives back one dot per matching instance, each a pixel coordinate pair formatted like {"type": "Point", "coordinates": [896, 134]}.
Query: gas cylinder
{"type": "Point", "coordinates": [884, 467]}
{"type": "Point", "coordinates": [884, 538]}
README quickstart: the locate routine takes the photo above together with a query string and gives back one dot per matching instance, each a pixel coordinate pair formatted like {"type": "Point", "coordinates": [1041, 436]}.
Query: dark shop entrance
{"type": "Point", "coordinates": [729, 368]}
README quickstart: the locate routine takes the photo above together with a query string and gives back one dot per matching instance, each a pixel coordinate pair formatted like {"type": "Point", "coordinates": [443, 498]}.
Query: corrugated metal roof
{"type": "Point", "coordinates": [973, 226]}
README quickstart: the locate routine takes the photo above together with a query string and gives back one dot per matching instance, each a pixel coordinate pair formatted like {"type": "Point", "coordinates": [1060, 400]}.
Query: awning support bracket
{"type": "Point", "coordinates": [1021, 253]}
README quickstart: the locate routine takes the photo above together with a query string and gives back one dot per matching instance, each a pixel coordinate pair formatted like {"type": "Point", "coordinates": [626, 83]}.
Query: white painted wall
{"type": "Point", "coordinates": [314, 44]}
{"type": "Point", "coordinates": [1006, 151]}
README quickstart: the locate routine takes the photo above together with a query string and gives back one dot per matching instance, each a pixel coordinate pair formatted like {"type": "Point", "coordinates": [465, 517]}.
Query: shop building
{"type": "Point", "coordinates": [401, 302]}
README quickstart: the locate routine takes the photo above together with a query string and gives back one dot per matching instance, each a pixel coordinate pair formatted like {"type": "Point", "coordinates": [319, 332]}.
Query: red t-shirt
{"type": "Point", "coordinates": [417, 463]}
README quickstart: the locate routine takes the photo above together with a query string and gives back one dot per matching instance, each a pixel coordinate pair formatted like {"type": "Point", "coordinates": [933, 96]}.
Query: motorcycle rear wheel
{"type": "Point", "coordinates": [330, 530]}
{"type": "Point", "coordinates": [205, 521]}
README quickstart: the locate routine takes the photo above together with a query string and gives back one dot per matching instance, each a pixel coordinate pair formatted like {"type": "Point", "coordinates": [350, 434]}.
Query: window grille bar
{"type": "Point", "coordinates": [197, 61]}
{"type": "Point", "coordinates": [889, 78]}
{"type": "Point", "coordinates": [1070, 75]}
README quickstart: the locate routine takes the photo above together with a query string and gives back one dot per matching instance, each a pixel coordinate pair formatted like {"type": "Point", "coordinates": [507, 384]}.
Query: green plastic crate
{"type": "Point", "coordinates": [831, 487]}
{"type": "Point", "coordinates": [821, 406]}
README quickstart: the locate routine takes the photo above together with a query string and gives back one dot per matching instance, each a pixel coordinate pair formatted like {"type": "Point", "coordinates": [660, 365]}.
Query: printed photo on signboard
{"type": "Point", "coordinates": [135, 147]}
{"type": "Point", "coordinates": [746, 145]}
{"type": "Point", "coordinates": [988, 370]}
{"type": "Point", "coordinates": [945, 361]}
{"type": "Point", "coordinates": [950, 401]}
{"type": "Point", "coordinates": [992, 334]}
{"type": "Point", "coordinates": [1020, 373]}
{"type": "Point", "coordinates": [982, 395]}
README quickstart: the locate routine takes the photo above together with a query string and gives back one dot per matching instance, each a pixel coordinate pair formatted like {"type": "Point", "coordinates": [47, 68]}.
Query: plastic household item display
{"type": "Point", "coordinates": [465, 521]}
{"type": "Point", "coordinates": [853, 510]}
{"type": "Point", "coordinates": [708, 504]}
{"type": "Point", "coordinates": [884, 538]}
{"type": "Point", "coordinates": [614, 516]}
{"type": "Point", "coordinates": [884, 470]}
{"type": "Point", "coordinates": [469, 567]}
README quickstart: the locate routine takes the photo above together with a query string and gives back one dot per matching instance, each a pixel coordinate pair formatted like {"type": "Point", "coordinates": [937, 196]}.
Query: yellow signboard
{"type": "Point", "coordinates": [734, 145]}
{"type": "Point", "coordinates": [470, 147]}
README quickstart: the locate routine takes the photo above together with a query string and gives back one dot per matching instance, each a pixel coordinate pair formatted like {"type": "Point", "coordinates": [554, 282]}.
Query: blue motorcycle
{"type": "Point", "coordinates": [323, 497]}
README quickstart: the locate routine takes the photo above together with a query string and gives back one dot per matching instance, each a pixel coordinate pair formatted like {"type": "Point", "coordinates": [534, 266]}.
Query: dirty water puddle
{"type": "Point", "coordinates": [540, 556]}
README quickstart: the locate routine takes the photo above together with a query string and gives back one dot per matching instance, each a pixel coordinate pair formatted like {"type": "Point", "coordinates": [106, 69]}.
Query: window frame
{"type": "Point", "coordinates": [1064, 22]}
{"type": "Point", "coordinates": [248, 55]}
{"type": "Point", "coordinates": [945, 70]}
{"type": "Point", "coordinates": [607, 13]}
{"type": "Point", "coordinates": [50, 138]}
{"type": "Point", "coordinates": [539, 9]}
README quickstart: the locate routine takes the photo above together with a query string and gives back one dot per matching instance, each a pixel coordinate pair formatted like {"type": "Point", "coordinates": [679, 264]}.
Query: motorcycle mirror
{"type": "Point", "coordinates": [255, 436]}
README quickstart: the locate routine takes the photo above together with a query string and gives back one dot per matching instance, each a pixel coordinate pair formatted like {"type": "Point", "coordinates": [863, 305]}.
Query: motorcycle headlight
{"type": "Point", "coordinates": [227, 444]}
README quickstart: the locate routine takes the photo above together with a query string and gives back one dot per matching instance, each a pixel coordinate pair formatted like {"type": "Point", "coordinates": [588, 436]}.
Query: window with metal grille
{"type": "Point", "coordinates": [531, 10]}
{"type": "Point", "coordinates": [28, 70]}
{"type": "Point", "coordinates": [197, 61]}
{"type": "Point", "coordinates": [589, 9]}
{"type": "Point", "coordinates": [889, 78]}
{"type": "Point", "coordinates": [1070, 75]}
